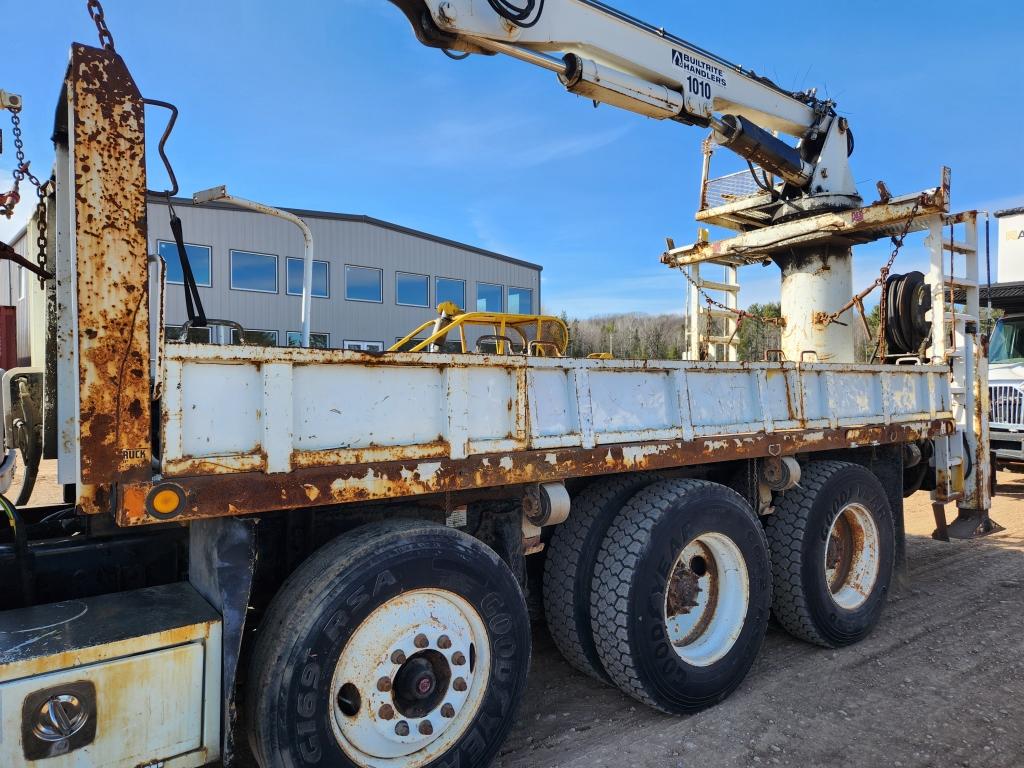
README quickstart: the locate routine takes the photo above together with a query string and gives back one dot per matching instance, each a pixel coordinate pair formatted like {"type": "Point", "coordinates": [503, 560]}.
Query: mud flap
{"type": "Point", "coordinates": [222, 561]}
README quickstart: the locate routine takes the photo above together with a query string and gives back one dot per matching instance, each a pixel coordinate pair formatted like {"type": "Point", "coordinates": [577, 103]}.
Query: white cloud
{"type": "Point", "coordinates": [496, 143]}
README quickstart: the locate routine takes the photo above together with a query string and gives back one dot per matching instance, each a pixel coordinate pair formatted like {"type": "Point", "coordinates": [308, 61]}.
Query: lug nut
{"type": "Point", "coordinates": [386, 712]}
{"type": "Point", "coordinates": [448, 711]}
{"type": "Point", "coordinates": [426, 728]}
{"type": "Point", "coordinates": [398, 657]}
{"type": "Point", "coordinates": [458, 658]}
{"type": "Point", "coordinates": [384, 684]}
{"type": "Point", "coordinates": [402, 728]}
{"type": "Point", "coordinates": [459, 684]}
{"type": "Point", "coordinates": [420, 641]}
{"type": "Point", "coordinates": [444, 642]}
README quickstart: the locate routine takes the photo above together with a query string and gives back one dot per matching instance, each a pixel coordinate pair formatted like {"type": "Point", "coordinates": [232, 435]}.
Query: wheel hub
{"type": "Point", "coordinates": [852, 556]}
{"type": "Point", "coordinates": [706, 599]}
{"type": "Point", "coordinates": [417, 668]}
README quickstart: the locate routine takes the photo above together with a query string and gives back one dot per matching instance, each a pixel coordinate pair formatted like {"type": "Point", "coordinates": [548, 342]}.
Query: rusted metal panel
{"type": "Point", "coordinates": [236, 494]}
{"type": "Point", "coordinates": [8, 338]}
{"type": "Point", "coordinates": [109, 241]}
{"type": "Point", "coordinates": [843, 228]}
{"type": "Point", "coordinates": [290, 409]}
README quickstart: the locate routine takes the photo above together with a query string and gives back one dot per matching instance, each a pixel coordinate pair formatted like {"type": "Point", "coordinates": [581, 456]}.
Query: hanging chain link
{"type": "Point", "coordinates": [96, 12]}
{"type": "Point", "coordinates": [9, 200]}
{"type": "Point", "coordinates": [42, 259]}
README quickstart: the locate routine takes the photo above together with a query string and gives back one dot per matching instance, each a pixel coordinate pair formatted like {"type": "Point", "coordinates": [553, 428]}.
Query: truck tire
{"type": "Point", "coordinates": [569, 567]}
{"type": "Point", "coordinates": [833, 546]}
{"type": "Point", "coordinates": [681, 595]}
{"type": "Point", "coordinates": [399, 643]}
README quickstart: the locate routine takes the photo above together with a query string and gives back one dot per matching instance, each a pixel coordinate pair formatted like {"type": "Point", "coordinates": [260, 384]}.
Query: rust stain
{"type": "Point", "coordinates": [112, 268]}
{"type": "Point", "coordinates": [91, 655]}
{"type": "Point", "coordinates": [251, 492]}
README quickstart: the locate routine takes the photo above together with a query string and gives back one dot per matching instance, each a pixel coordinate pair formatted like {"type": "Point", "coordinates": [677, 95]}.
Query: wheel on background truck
{"type": "Point", "coordinates": [569, 567]}
{"type": "Point", "coordinates": [399, 644]}
{"type": "Point", "coordinates": [833, 546]}
{"type": "Point", "coordinates": [681, 594]}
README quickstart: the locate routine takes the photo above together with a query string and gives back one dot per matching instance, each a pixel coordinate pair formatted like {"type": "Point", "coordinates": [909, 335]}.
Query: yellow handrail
{"type": "Point", "coordinates": [451, 318]}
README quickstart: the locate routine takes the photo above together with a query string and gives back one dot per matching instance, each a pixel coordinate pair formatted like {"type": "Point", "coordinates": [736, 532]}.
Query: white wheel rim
{"type": "Point", "coordinates": [422, 629]}
{"type": "Point", "coordinates": [706, 599]}
{"type": "Point", "coordinates": [852, 556]}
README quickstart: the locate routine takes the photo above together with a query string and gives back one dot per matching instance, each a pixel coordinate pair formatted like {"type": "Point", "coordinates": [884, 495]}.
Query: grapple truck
{"type": "Point", "coordinates": [308, 557]}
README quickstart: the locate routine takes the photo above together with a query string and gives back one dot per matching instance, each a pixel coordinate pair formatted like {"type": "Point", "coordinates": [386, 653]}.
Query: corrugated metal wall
{"type": "Point", "coordinates": [338, 241]}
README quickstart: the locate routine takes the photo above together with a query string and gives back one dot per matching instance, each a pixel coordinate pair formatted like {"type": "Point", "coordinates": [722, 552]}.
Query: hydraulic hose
{"type": "Point", "coordinates": [525, 14]}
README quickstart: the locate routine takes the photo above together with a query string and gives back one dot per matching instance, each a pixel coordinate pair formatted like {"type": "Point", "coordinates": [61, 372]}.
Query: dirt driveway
{"type": "Point", "coordinates": [939, 683]}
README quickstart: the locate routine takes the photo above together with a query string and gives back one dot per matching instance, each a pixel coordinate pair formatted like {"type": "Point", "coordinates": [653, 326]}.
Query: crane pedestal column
{"type": "Point", "coordinates": [816, 281]}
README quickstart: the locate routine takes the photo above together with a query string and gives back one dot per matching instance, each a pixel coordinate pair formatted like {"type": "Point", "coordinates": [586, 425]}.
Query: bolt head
{"type": "Point", "coordinates": [402, 728]}
{"type": "Point", "coordinates": [421, 641]}
{"type": "Point", "coordinates": [386, 712]}
{"type": "Point", "coordinates": [384, 684]}
{"type": "Point", "coordinates": [459, 684]}
{"type": "Point", "coordinates": [398, 657]}
{"type": "Point", "coordinates": [448, 711]}
{"type": "Point", "coordinates": [458, 658]}
{"type": "Point", "coordinates": [444, 642]}
{"type": "Point", "coordinates": [426, 728]}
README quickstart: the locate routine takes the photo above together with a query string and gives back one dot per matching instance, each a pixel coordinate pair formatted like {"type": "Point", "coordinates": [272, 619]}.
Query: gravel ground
{"type": "Point", "coordinates": [937, 684]}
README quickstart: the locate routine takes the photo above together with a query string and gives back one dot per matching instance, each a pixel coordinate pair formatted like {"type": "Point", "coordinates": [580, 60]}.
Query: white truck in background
{"type": "Point", "coordinates": [1006, 343]}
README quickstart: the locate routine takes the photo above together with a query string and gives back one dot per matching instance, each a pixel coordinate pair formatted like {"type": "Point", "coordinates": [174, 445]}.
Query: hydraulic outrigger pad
{"type": "Point", "coordinates": [969, 524]}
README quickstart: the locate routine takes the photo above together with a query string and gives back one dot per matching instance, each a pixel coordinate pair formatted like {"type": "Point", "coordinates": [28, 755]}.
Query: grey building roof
{"type": "Point", "coordinates": [1008, 212]}
{"type": "Point", "coordinates": [362, 219]}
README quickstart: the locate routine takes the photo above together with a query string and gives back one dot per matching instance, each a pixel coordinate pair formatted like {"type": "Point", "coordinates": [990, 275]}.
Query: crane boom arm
{"type": "Point", "coordinates": [702, 83]}
{"type": "Point", "coordinates": [610, 57]}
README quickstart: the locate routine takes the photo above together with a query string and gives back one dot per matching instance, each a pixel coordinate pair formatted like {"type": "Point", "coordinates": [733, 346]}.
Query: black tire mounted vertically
{"type": "Point", "coordinates": [569, 567]}
{"type": "Point", "coordinates": [402, 642]}
{"type": "Point", "coordinates": [681, 595]}
{"type": "Point", "coordinates": [832, 545]}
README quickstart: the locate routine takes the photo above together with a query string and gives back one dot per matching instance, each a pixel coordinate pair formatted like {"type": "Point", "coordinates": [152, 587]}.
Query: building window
{"type": "Point", "coordinates": [199, 258]}
{"type": "Point", "coordinates": [364, 346]}
{"type": "Point", "coordinates": [363, 284]}
{"type": "Point", "coordinates": [488, 297]}
{"type": "Point", "coordinates": [253, 272]}
{"type": "Point", "coordinates": [293, 278]}
{"type": "Point", "coordinates": [447, 289]}
{"type": "Point", "coordinates": [520, 301]}
{"type": "Point", "coordinates": [316, 340]}
{"type": "Point", "coordinates": [195, 335]}
{"type": "Point", "coordinates": [409, 344]}
{"type": "Point", "coordinates": [412, 290]}
{"type": "Point", "coordinates": [256, 338]}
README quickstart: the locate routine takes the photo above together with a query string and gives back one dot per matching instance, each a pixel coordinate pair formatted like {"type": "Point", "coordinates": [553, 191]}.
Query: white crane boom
{"type": "Point", "coordinates": [613, 58]}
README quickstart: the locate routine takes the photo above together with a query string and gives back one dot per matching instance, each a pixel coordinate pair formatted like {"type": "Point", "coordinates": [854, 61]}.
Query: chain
{"type": "Point", "coordinates": [741, 315]}
{"type": "Point", "coordinates": [883, 275]}
{"type": "Point", "coordinates": [96, 12]}
{"type": "Point", "coordinates": [41, 235]}
{"type": "Point", "coordinates": [9, 200]}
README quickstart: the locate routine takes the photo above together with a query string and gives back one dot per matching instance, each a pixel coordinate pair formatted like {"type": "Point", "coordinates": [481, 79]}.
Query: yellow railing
{"type": "Point", "coordinates": [535, 335]}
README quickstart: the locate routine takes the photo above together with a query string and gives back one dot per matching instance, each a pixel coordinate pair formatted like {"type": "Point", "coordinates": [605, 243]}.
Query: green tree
{"type": "Point", "coordinates": [754, 338]}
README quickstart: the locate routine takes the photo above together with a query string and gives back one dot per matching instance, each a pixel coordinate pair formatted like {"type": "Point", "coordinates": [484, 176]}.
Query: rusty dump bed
{"type": "Point", "coordinates": [301, 427]}
{"type": "Point", "coordinates": [244, 430]}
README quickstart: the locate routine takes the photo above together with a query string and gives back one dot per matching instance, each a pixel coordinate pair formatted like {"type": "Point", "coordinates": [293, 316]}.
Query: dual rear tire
{"type": "Point", "coordinates": [662, 588]}
{"type": "Point", "coordinates": [680, 574]}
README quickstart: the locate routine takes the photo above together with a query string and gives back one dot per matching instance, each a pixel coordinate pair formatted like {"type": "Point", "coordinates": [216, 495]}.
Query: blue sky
{"type": "Point", "coordinates": [336, 106]}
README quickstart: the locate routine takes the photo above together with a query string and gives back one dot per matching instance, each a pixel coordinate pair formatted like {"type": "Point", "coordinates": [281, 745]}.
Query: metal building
{"type": "Point", "coordinates": [374, 281]}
